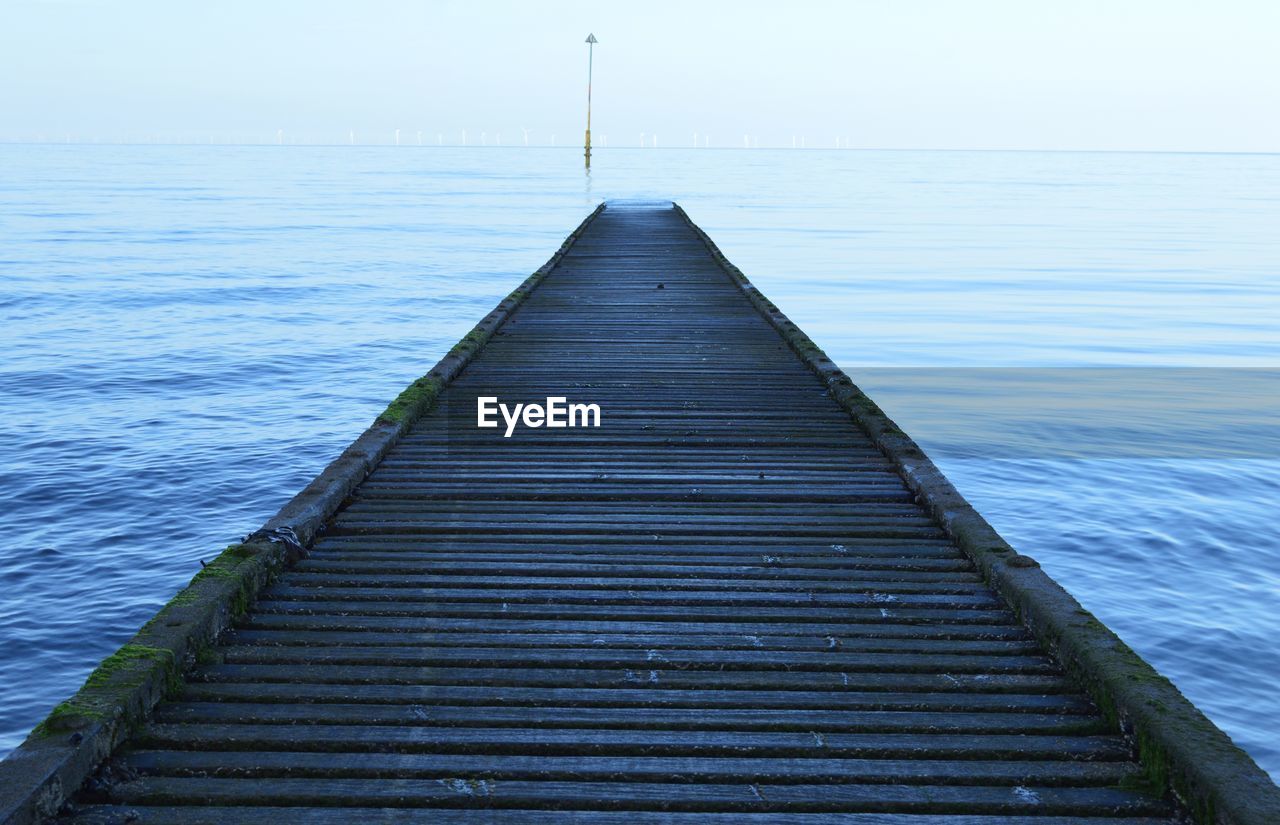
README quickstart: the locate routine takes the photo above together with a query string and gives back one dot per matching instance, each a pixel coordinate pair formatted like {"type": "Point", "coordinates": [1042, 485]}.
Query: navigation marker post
{"type": "Point", "coordinates": [591, 43]}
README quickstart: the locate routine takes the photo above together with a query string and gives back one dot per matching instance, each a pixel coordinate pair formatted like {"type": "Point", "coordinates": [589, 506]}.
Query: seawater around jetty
{"type": "Point", "coordinates": [190, 333]}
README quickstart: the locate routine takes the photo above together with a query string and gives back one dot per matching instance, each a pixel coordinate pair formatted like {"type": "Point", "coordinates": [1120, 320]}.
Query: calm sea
{"type": "Point", "coordinates": [189, 333]}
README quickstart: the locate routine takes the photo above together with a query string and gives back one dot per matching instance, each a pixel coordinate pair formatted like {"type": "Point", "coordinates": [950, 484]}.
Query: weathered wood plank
{"type": "Point", "coordinates": [322, 638]}
{"type": "Point", "coordinates": [871, 590]}
{"type": "Point", "coordinates": [230, 737]}
{"type": "Point", "coordinates": [639, 612]}
{"type": "Point", "coordinates": [739, 629]}
{"type": "Point", "coordinates": [677, 658]}
{"type": "Point", "coordinates": [481, 793]}
{"type": "Point", "coordinates": [635, 697]}
{"type": "Point", "coordinates": [664, 718]}
{"type": "Point", "coordinates": [261, 764]}
{"type": "Point", "coordinates": [248, 815]}
{"type": "Point", "coordinates": [602, 677]}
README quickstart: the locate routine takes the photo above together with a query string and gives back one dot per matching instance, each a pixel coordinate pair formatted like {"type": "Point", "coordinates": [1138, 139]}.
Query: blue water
{"type": "Point", "coordinates": [188, 334]}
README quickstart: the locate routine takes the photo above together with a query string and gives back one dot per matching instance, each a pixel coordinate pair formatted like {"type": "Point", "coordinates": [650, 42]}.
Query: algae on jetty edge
{"type": "Point", "coordinates": [416, 398]}
{"type": "Point", "coordinates": [99, 700]}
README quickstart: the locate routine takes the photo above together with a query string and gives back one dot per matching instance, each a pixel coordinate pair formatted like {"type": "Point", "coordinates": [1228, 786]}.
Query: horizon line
{"type": "Point", "coordinates": [629, 147]}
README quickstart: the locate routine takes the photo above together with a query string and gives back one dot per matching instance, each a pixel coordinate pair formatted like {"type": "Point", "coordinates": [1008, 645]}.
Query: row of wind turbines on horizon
{"type": "Point", "coordinates": [526, 138]}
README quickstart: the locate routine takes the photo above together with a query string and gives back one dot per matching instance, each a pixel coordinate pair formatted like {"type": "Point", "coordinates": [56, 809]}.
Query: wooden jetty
{"type": "Point", "coordinates": [745, 597]}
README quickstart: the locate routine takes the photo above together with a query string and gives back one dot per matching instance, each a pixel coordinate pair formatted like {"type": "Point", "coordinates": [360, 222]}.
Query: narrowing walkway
{"type": "Point", "coordinates": [726, 604]}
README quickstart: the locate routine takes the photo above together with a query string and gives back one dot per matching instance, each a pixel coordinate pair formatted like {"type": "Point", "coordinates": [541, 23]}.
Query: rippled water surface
{"type": "Point", "coordinates": [188, 334]}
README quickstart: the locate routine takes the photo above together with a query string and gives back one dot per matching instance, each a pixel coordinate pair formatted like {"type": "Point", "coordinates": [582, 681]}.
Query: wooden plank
{"type": "Point", "coordinates": [468, 792]}
{"type": "Point", "coordinates": [639, 612]}
{"type": "Point", "coordinates": [249, 815]}
{"type": "Point", "coordinates": [871, 591]}
{"type": "Point", "coordinates": [636, 697]}
{"type": "Point", "coordinates": [259, 764]}
{"type": "Point", "coordinates": [909, 554]}
{"type": "Point", "coordinates": [677, 658]}
{"type": "Point", "coordinates": [665, 718]}
{"type": "Point", "coordinates": [773, 575]}
{"type": "Point", "coordinates": [739, 629]}
{"type": "Point", "coordinates": [321, 638]}
{"type": "Point", "coordinates": [586, 678]}
{"type": "Point", "coordinates": [230, 737]}
{"type": "Point", "coordinates": [767, 569]}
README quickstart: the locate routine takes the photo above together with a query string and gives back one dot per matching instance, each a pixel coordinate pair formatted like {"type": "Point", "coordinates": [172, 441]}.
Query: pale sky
{"type": "Point", "coordinates": [1195, 75]}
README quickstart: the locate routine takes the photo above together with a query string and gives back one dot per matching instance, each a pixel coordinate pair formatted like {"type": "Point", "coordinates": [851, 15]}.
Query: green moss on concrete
{"type": "Point", "coordinates": [516, 295]}
{"type": "Point", "coordinates": [211, 572]}
{"type": "Point", "coordinates": [167, 615]}
{"type": "Point", "coordinates": [106, 692]}
{"type": "Point", "coordinates": [1158, 778]}
{"type": "Point", "coordinates": [208, 655]}
{"type": "Point", "coordinates": [121, 667]}
{"type": "Point", "coordinates": [225, 565]}
{"type": "Point", "coordinates": [1155, 764]}
{"type": "Point", "coordinates": [76, 712]}
{"type": "Point", "coordinates": [222, 565]}
{"type": "Point", "coordinates": [228, 568]}
{"type": "Point", "coordinates": [470, 342]}
{"type": "Point", "coordinates": [242, 551]}
{"type": "Point", "coordinates": [419, 396]}
{"type": "Point", "coordinates": [1141, 783]}
{"type": "Point", "coordinates": [186, 597]}
{"type": "Point", "coordinates": [416, 398]}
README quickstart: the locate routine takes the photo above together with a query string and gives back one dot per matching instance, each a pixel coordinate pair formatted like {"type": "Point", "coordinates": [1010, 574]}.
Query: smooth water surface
{"type": "Point", "coordinates": [188, 334]}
